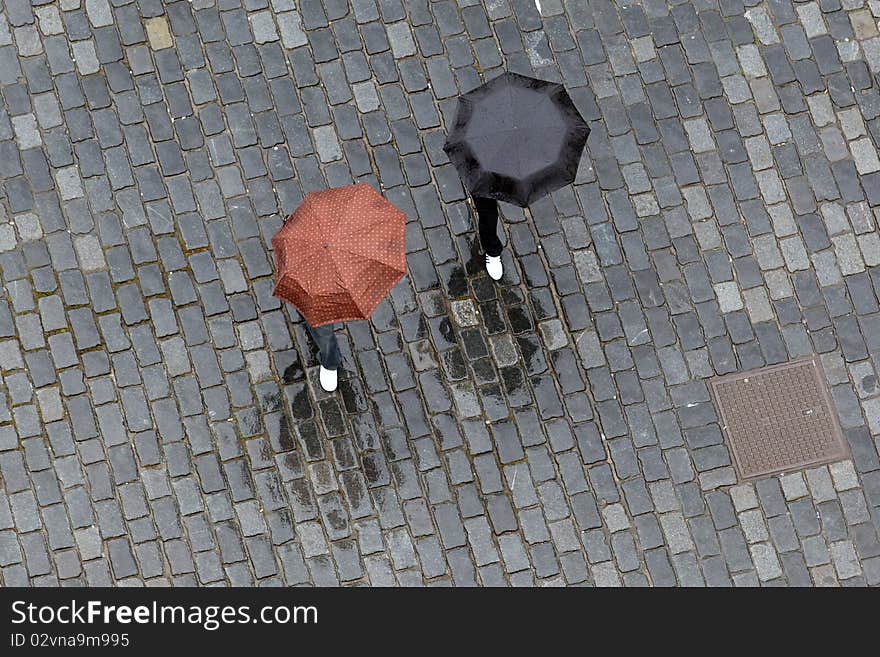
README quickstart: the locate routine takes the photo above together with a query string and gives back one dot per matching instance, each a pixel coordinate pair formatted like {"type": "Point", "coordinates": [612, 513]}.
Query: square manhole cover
{"type": "Point", "coordinates": [778, 419]}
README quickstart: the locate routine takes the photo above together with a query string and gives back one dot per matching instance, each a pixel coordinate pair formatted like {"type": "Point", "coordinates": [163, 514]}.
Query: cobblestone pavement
{"type": "Point", "coordinates": [161, 422]}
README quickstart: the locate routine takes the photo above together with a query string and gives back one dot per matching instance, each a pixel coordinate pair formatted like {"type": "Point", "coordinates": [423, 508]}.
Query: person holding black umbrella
{"type": "Point", "coordinates": [514, 139]}
{"type": "Point", "coordinates": [487, 221]}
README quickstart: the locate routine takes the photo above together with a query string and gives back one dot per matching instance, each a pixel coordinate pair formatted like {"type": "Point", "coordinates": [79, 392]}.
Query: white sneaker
{"type": "Point", "coordinates": [328, 379]}
{"type": "Point", "coordinates": [494, 267]}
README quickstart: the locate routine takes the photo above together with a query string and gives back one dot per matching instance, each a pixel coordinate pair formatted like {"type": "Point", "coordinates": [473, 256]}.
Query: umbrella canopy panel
{"type": "Point", "coordinates": [516, 139]}
{"type": "Point", "coordinates": [527, 116]}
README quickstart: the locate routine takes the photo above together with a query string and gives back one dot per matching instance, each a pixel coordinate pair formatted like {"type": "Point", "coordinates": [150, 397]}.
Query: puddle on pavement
{"type": "Point", "coordinates": [331, 415]}
{"type": "Point", "coordinates": [456, 283]}
{"type": "Point", "coordinates": [285, 434]}
{"type": "Point", "coordinates": [353, 396]}
{"type": "Point", "coordinates": [293, 372]}
{"type": "Point", "coordinates": [519, 319]}
{"type": "Point", "coordinates": [300, 406]}
{"type": "Point", "coordinates": [447, 331]}
{"type": "Point", "coordinates": [543, 307]}
{"type": "Point", "coordinates": [533, 357]}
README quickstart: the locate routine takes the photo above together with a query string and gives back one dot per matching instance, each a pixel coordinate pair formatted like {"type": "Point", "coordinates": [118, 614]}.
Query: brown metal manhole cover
{"type": "Point", "coordinates": [778, 419]}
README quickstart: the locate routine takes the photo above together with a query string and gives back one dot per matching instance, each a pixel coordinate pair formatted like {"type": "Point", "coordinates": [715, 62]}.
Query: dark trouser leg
{"type": "Point", "coordinates": [487, 215]}
{"type": "Point", "coordinates": [328, 348]}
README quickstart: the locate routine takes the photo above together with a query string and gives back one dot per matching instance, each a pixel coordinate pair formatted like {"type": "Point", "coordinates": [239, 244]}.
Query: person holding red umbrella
{"type": "Point", "coordinates": [336, 257]}
{"type": "Point", "coordinates": [329, 356]}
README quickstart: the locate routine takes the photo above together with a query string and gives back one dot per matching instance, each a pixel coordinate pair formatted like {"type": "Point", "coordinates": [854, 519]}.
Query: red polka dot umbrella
{"type": "Point", "coordinates": [339, 254]}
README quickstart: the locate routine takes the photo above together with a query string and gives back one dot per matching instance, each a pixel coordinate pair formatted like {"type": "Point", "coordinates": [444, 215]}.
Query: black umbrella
{"type": "Point", "coordinates": [516, 139]}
